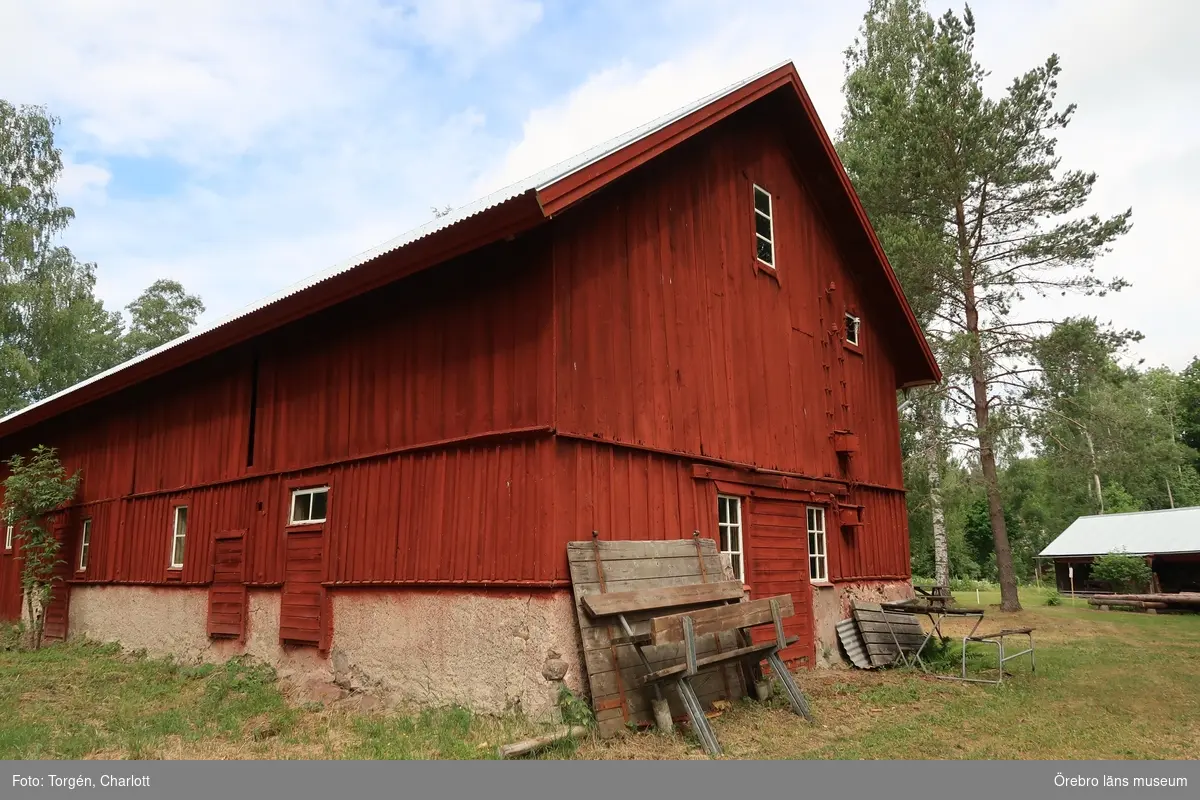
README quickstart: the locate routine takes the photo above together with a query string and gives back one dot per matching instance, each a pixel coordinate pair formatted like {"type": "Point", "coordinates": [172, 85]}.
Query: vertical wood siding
{"type": "Point", "coordinates": [878, 549]}
{"type": "Point", "coordinates": [624, 494]}
{"type": "Point", "coordinates": [671, 336]}
{"type": "Point", "coordinates": [460, 350]}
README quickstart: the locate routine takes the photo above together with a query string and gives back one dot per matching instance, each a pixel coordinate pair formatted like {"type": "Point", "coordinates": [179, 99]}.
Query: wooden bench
{"type": "Point", "coordinates": [712, 609]}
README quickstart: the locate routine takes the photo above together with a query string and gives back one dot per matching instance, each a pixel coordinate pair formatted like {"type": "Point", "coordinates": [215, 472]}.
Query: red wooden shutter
{"type": "Point", "coordinates": [227, 592]}
{"type": "Point", "coordinates": [777, 556]}
{"type": "Point", "coordinates": [54, 627]}
{"type": "Point", "coordinates": [302, 605]}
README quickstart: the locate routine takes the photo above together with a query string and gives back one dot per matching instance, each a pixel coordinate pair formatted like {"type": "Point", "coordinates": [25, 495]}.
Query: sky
{"type": "Point", "coordinates": [239, 147]}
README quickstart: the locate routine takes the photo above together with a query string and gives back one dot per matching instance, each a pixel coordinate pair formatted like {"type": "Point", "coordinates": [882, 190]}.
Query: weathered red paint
{"type": "Point", "coordinates": [608, 370]}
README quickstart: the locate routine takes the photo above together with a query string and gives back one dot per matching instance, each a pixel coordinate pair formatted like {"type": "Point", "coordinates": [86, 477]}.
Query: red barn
{"type": "Point", "coordinates": [372, 478]}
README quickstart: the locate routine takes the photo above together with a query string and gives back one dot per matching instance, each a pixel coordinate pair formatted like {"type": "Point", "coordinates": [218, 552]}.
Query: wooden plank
{"type": "Point", "coordinates": [598, 661]}
{"type": "Point", "coordinates": [709, 687]}
{"type": "Point", "coordinates": [635, 569]}
{"type": "Point", "coordinates": [897, 626]}
{"type": "Point", "coordinates": [593, 587]}
{"type": "Point", "coordinates": [599, 605]}
{"type": "Point", "coordinates": [713, 620]}
{"type": "Point", "coordinates": [596, 635]}
{"type": "Point", "coordinates": [624, 550]}
{"type": "Point", "coordinates": [718, 658]}
{"type": "Point", "coordinates": [905, 639]}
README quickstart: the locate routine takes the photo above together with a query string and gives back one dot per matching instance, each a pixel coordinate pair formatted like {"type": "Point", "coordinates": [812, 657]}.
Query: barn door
{"type": "Point", "coordinates": [303, 612]}
{"type": "Point", "coordinates": [777, 563]}
{"type": "Point", "coordinates": [227, 591]}
{"type": "Point", "coordinates": [57, 613]}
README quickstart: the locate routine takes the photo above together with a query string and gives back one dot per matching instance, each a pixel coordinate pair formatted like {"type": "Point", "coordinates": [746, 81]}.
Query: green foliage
{"type": "Point", "coordinates": [575, 710]}
{"type": "Point", "coordinates": [11, 636]}
{"type": "Point", "coordinates": [163, 312]}
{"type": "Point", "coordinates": [1053, 598]}
{"type": "Point", "coordinates": [1189, 407]}
{"type": "Point", "coordinates": [1122, 572]}
{"type": "Point", "coordinates": [54, 331]}
{"type": "Point", "coordinates": [36, 487]}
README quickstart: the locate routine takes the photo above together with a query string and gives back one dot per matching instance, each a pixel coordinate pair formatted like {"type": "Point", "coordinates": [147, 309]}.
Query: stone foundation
{"type": "Point", "coordinates": [492, 652]}
{"type": "Point", "coordinates": [831, 605]}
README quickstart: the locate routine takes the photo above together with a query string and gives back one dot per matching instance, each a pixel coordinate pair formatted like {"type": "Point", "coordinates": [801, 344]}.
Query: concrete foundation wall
{"type": "Point", "coordinates": [489, 651]}
{"type": "Point", "coordinates": [831, 605]}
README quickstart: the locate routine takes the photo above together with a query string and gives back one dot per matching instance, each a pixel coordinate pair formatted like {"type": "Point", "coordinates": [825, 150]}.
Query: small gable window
{"type": "Point", "coordinates": [85, 544]}
{"type": "Point", "coordinates": [729, 525]}
{"type": "Point", "coordinates": [179, 537]}
{"type": "Point", "coordinates": [764, 227]}
{"type": "Point", "coordinates": [853, 328]}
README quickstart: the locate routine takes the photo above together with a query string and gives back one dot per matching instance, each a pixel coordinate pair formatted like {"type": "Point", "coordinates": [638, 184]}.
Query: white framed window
{"type": "Point", "coordinates": [729, 525]}
{"type": "Point", "coordinates": [818, 559]}
{"type": "Point", "coordinates": [764, 227]}
{"type": "Point", "coordinates": [309, 506]}
{"type": "Point", "coordinates": [8, 531]}
{"type": "Point", "coordinates": [179, 537]}
{"type": "Point", "coordinates": [853, 326]}
{"type": "Point", "coordinates": [85, 544]}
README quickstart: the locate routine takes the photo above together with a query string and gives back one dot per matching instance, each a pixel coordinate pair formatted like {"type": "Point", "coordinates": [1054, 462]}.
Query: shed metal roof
{"type": "Point", "coordinates": [1175, 530]}
{"type": "Point", "coordinates": [505, 212]}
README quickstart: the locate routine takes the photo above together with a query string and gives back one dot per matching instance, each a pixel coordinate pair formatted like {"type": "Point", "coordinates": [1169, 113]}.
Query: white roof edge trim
{"type": "Point", "coordinates": [536, 182]}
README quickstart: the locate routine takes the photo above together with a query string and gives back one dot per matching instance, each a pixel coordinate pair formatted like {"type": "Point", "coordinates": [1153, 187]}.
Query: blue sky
{"type": "Point", "coordinates": [241, 146]}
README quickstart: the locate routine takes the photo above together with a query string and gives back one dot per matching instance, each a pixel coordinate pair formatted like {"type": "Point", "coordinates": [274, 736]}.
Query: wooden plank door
{"type": "Point", "coordinates": [777, 563]}
{"type": "Point", "coordinates": [58, 612]}
{"type": "Point", "coordinates": [227, 591]}
{"type": "Point", "coordinates": [303, 612]}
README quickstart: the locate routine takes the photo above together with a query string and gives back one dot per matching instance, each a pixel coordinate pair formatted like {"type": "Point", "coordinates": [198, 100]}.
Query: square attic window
{"type": "Point", "coordinates": [309, 506]}
{"type": "Point", "coordinates": [853, 329]}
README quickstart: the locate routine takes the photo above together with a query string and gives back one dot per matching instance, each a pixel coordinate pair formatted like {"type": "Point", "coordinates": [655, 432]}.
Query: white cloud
{"type": "Point", "coordinates": [79, 181]}
{"type": "Point", "coordinates": [743, 40]}
{"type": "Point", "coordinates": [457, 25]}
{"type": "Point", "coordinates": [196, 79]}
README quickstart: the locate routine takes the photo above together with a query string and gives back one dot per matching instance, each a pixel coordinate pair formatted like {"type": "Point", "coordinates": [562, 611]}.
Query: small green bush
{"type": "Point", "coordinates": [12, 636]}
{"type": "Point", "coordinates": [1054, 599]}
{"type": "Point", "coordinates": [575, 710]}
{"type": "Point", "coordinates": [1122, 572]}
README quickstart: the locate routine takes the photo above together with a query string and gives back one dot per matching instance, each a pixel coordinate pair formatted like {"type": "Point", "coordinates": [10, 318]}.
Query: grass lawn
{"type": "Point", "coordinates": [1108, 685]}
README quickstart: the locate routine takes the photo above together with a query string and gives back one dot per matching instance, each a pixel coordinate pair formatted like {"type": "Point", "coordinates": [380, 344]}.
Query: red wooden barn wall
{"type": "Point", "coordinates": [671, 338]}
{"type": "Point", "coordinates": [637, 326]}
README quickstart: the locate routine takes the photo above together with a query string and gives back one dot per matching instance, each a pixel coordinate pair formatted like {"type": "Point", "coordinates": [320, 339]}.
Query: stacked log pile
{"type": "Point", "coordinates": [1184, 601]}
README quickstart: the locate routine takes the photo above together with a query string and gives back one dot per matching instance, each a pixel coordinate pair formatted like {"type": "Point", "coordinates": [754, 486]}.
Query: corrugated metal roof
{"type": "Point", "coordinates": [1175, 530]}
{"type": "Point", "coordinates": [533, 183]}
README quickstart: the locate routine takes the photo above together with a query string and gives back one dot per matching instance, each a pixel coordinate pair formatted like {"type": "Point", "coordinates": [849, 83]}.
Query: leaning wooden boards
{"type": "Point", "coordinates": [882, 630]}
{"type": "Point", "coordinates": [614, 670]}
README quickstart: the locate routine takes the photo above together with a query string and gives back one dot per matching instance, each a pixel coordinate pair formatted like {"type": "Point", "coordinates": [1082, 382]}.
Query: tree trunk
{"type": "Point", "coordinates": [1095, 470]}
{"type": "Point", "coordinates": [941, 549]}
{"type": "Point", "coordinates": [1009, 600]}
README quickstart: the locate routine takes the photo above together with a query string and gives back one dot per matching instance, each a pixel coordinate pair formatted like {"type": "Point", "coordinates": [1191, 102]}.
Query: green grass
{"type": "Point", "coordinates": [83, 700]}
{"type": "Point", "coordinates": [1107, 685]}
